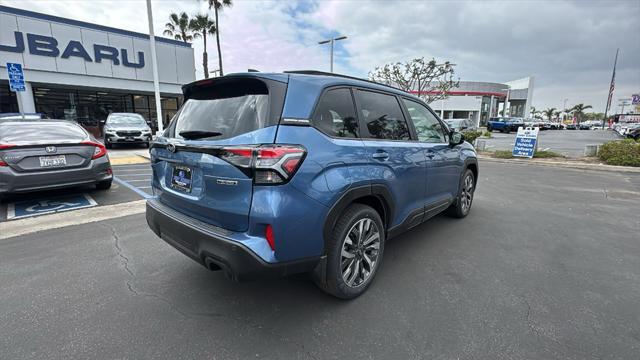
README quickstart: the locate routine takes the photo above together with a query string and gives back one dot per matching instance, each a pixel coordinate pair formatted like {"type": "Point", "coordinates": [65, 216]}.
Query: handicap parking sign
{"type": "Point", "coordinates": [28, 208]}
{"type": "Point", "coordinates": [16, 77]}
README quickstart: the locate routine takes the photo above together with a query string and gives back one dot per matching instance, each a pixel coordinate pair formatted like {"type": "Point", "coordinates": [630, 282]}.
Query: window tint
{"type": "Point", "coordinates": [336, 115]}
{"type": "Point", "coordinates": [427, 126]}
{"type": "Point", "coordinates": [383, 116]}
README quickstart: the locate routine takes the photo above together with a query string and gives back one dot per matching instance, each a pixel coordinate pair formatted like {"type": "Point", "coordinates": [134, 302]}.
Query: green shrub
{"type": "Point", "coordinates": [502, 154]}
{"type": "Point", "coordinates": [623, 152]}
{"type": "Point", "coordinates": [486, 134]}
{"type": "Point", "coordinates": [471, 135]}
{"type": "Point", "coordinates": [506, 154]}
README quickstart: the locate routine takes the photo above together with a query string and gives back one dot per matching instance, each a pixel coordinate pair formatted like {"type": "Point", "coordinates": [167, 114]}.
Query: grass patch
{"type": "Point", "coordinates": [506, 154]}
{"type": "Point", "coordinates": [623, 152]}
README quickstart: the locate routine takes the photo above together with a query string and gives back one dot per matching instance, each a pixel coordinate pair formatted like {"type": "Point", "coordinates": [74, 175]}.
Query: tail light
{"type": "Point", "coordinates": [3, 147]}
{"type": "Point", "coordinates": [99, 151]}
{"type": "Point", "coordinates": [270, 164]}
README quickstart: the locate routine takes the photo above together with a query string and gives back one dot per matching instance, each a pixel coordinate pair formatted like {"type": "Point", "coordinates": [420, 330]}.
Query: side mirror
{"type": "Point", "coordinates": [456, 138]}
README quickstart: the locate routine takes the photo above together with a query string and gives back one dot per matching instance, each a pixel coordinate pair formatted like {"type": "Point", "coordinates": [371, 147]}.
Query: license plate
{"type": "Point", "coordinates": [129, 138]}
{"type": "Point", "coordinates": [52, 161]}
{"type": "Point", "coordinates": [181, 178]}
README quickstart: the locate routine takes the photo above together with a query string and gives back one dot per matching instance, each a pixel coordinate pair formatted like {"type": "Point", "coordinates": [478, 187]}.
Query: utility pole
{"type": "Point", "coordinates": [331, 41]}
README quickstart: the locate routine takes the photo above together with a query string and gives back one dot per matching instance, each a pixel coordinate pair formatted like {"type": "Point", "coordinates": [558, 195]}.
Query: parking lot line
{"type": "Point", "coordinates": [131, 187]}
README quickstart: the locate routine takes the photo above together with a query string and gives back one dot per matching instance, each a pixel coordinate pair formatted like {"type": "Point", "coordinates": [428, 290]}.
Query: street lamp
{"type": "Point", "coordinates": [331, 41]}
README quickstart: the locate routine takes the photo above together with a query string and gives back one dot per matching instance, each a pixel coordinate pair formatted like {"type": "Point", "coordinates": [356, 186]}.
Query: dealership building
{"type": "Point", "coordinates": [82, 71]}
{"type": "Point", "coordinates": [479, 101]}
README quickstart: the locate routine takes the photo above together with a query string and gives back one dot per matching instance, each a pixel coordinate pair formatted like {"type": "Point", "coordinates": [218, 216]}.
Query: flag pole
{"type": "Point", "coordinates": [611, 88]}
{"type": "Point", "coordinates": [154, 63]}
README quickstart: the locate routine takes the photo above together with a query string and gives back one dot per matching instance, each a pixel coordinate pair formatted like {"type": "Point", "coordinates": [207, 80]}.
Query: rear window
{"type": "Point", "coordinates": [228, 108]}
{"type": "Point", "coordinates": [336, 115]}
{"type": "Point", "coordinates": [40, 131]}
{"type": "Point", "coordinates": [383, 116]}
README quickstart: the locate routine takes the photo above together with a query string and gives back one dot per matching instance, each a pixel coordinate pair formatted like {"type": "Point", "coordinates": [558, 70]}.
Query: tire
{"type": "Point", "coordinates": [145, 145]}
{"type": "Point", "coordinates": [107, 144]}
{"type": "Point", "coordinates": [103, 185]}
{"type": "Point", "coordinates": [461, 207]}
{"type": "Point", "coordinates": [489, 129]}
{"type": "Point", "coordinates": [354, 280]}
{"type": "Point", "coordinates": [507, 130]}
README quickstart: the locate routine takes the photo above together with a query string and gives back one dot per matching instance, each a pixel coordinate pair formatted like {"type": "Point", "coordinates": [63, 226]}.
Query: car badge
{"type": "Point", "coordinates": [50, 149]}
{"type": "Point", "coordinates": [171, 147]}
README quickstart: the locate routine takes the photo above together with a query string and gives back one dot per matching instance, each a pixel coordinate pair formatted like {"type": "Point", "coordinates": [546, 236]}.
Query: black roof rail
{"type": "Point", "coordinates": [323, 73]}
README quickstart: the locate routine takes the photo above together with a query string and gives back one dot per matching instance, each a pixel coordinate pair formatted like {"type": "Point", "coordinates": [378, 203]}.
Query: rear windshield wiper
{"type": "Point", "coordinates": [198, 134]}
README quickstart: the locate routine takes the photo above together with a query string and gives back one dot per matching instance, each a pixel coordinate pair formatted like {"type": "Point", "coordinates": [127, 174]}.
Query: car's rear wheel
{"type": "Point", "coordinates": [466, 190]}
{"type": "Point", "coordinates": [354, 253]}
{"type": "Point", "coordinates": [103, 185]}
{"type": "Point", "coordinates": [489, 129]}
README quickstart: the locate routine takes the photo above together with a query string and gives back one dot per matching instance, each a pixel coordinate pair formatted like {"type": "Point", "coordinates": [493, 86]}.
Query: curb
{"type": "Point", "coordinates": [564, 164]}
{"type": "Point", "coordinates": [128, 160]}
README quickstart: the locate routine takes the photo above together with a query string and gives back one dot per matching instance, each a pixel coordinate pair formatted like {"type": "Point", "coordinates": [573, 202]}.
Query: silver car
{"type": "Point", "coordinates": [129, 128]}
{"type": "Point", "coordinates": [47, 154]}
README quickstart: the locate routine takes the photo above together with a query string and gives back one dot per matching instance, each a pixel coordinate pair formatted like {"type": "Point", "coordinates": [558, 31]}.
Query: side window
{"type": "Point", "coordinates": [336, 115]}
{"type": "Point", "coordinates": [383, 116]}
{"type": "Point", "coordinates": [427, 126]}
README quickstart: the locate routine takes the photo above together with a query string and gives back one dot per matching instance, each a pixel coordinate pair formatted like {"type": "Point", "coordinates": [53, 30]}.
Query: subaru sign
{"type": "Point", "coordinates": [526, 142]}
{"type": "Point", "coordinates": [16, 77]}
{"type": "Point", "coordinates": [43, 45]}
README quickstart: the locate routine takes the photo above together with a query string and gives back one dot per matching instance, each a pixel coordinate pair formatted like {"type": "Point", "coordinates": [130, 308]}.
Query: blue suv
{"type": "Point", "coordinates": [264, 174]}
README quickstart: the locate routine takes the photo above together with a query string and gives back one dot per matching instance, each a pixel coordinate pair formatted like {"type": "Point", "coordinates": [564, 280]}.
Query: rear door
{"type": "Point", "coordinates": [33, 146]}
{"type": "Point", "coordinates": [200, 164]}
{"type": "Point", "coordinates": [398, 161]}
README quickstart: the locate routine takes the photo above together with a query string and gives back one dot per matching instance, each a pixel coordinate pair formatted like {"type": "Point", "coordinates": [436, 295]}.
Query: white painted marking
{"type": "Point", "coordinates": [139, 180]}
{"type": "Point", "coordinates": [30, 225]}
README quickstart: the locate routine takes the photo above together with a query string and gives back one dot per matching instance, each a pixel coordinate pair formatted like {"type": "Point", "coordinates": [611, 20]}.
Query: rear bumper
{"type": "Point", "coordinates": [214, 248]}
{"type": "Point", "coordinates": [12, 181]}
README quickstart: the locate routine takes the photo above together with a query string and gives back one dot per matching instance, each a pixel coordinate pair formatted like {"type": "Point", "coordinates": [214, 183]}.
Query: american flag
{"type": "Point", "coordinates": [613, 84]}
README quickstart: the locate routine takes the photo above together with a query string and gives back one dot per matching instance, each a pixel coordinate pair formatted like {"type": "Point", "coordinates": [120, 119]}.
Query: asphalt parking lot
{"type": "Point", "coordinates": [541, 269]}
{"type": "Point", "coordinates": [131, 182]}
{"type": "Point", "coordinates": [569, 143]}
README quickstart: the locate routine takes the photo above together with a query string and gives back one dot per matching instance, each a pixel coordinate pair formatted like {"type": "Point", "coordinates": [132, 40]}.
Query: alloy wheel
{"type": "Point", "coordinates": [466, 195]}
{"type": "Point", "coordinates": [360, 250]}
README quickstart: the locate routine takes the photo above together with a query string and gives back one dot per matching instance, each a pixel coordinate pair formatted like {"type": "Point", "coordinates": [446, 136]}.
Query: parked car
{"type": "Point", "coordinates": [633, 132]}
{"type": "Point", "coordinates": [253, 178]}
{"type": "Point", "coordinates": [126, 128]}
{"type": "Point", "coordinates": [18, 116]}
{"type": "Point", "coordinates": [571, 127]}
{"type": "Point", "coordinates": [460, 124]}
{"type": "Point", "coordinates": [48, 154]}
{"type": "Point", "coordinates": [505, 124]}
{"type": "Point", "coordinates": [584, 126]}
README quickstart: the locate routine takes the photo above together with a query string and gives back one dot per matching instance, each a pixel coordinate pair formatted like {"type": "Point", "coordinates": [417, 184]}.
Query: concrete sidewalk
{"type": "Point", "coordinates": [128, 156]}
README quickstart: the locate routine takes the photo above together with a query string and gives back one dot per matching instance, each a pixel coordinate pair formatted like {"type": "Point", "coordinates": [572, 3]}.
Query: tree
{"type": "Point", "coordinates": [578, 111]}
{"type": "Point", "coordinates": [219, 5]}
{"type": "Point", "coordinates": [431, 80]}
{"type": "Point", "coordinates": [549, 112]}
{"type": "Point", "coordinates": [535, 113]}
{"type": "Point", "coordinates": [201, 25]}
{"type": "Point", "coordinates": [178, 27]}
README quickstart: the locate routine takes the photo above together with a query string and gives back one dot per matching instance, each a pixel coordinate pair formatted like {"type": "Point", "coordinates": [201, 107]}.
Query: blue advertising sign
{"type": "Point", "coordinates": [28, 208]}
{"type": "Point", "coordinates": [635, 99]}
{"type": "Point", "coordinates": [526, 142]}
{"type": "Point", "coordinates": [16, 77]}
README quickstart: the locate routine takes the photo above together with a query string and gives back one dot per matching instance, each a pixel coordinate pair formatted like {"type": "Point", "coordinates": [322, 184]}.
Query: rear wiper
{"type": "Point", "coordinates": [198, 134]}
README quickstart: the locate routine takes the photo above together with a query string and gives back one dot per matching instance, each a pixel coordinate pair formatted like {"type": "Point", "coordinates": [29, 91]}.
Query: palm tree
{"type": "Point", "coordinates": [579, 109]}
{"type": "Point", "coordinates": [566, 113]}
{"type": "Point", "coordinates": [533, 112]}
{"type": "Point", "coordinates": [201, 25]}
{"type": "Point", "coordinates": [178, 27]}
{"type": "Point", "coordinates": [218, 5]}
{"type": "Point", "coordinates": [549, 113]}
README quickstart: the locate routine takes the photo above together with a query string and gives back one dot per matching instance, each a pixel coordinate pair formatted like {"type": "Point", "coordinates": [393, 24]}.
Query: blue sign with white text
{"type": "Point", "coordinates": [16, 77]}
{"type": "Point", "coordinates": [526, 142]}
{"type": "Point", "coordinates": [28, 208]}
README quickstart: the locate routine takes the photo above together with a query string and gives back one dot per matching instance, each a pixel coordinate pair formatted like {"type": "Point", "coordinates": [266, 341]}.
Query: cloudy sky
{"type": "Point", "coordinates": [568, 46]}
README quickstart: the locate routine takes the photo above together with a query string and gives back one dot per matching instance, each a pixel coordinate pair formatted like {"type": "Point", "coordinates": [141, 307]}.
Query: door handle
{"type": "Point", "coordinates": [380, 155]}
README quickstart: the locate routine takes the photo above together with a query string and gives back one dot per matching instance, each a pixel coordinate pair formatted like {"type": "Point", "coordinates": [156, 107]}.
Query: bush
{"type": "Point", "coordinates": [486, 134]}
{"type": "Point", "coordinates": [506, 154]}
{"type": "Point", "coordinates": [471, 135]}
{"type": "Point", "coordinates": [624, 152]}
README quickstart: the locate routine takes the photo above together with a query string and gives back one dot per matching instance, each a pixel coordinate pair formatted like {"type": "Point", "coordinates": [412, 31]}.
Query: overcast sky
{"type": "Point", "coordinates": [568, 46]}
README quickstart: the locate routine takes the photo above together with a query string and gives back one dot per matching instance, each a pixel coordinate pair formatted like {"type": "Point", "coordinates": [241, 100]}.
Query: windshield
{"type": "Point", "coordinates": [126, 119]}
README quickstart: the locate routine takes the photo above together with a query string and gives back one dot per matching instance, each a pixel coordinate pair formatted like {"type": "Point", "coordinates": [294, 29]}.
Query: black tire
{"type": "Point", "coordinates": [103, 185]}
{"type": "Point", "coordinates": [333, 280]}
{"type": "Point", "coordinates": [459, 208]}
{"type": "Point", "coordinates": [507, 130]}
{"type": "Point", "coordinates": [107, 144]}
{"type": "Point", "coordinates": [489, 129]}
{"type": "Point", "coordinates": [145, 145]}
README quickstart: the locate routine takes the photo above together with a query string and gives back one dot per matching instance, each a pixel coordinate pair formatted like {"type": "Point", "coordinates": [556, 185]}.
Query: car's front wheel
{"type": "Point", "coordinates": [354, 253]}
{"type": "Point", "coordinates": [461, 207]}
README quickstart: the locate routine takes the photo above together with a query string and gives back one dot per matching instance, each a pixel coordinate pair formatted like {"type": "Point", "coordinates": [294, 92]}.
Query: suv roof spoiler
{"type": "Point", "coordinates": [322, 73]}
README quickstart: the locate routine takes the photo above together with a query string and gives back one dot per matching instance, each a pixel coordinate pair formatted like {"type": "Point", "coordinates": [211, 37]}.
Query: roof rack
{"type": "Point", "coordinates": [316, 72]}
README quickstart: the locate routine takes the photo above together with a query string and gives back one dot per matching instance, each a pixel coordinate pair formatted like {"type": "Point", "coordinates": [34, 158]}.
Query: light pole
{"type": "Point", "coordinates": [331, 41]}
{"type": "Point", "coordinates": [564, 109]}
{"type": "Point", "coordinates": [154, 65]}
